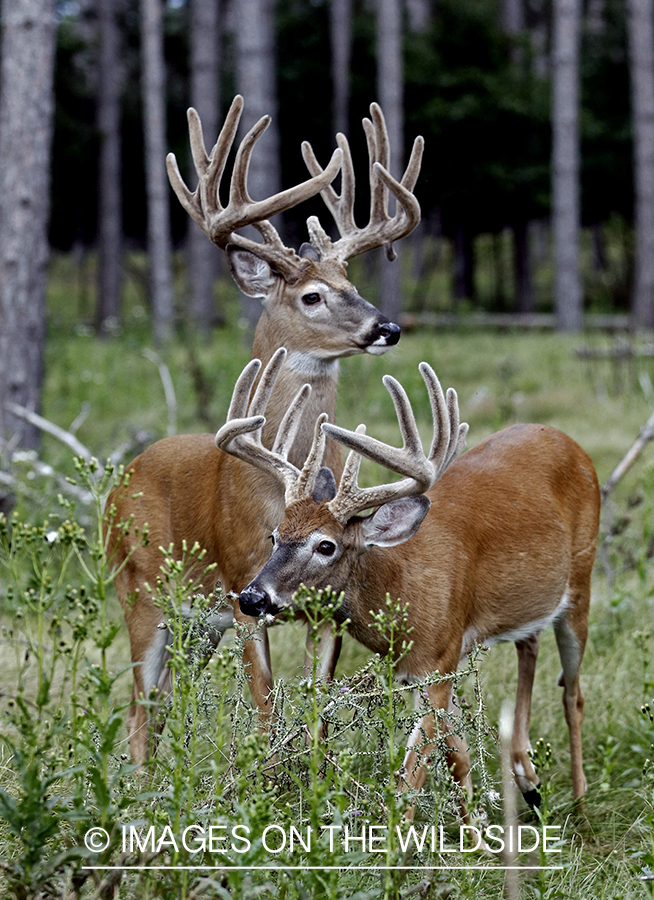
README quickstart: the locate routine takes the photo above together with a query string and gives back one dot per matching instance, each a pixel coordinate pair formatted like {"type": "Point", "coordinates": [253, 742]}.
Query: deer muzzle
{"type": "Point", "coordinates": [384, 333]}
{"type": "Point", "coordinates": [255, 602]}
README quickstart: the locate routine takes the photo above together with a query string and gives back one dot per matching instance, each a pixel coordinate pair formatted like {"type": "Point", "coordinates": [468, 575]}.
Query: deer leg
{"type": "Point", "coordinates": [525, 774]}
{"type": "Point", "coordinates": [256, 661]}
{"type": "Point", "coordinates": [571, 632]}
{"type": "Point", "coordinates": [326, 649]}
{"type": "Point", "coordinates": [151, 677]}
{"type": "Point", "coordinates": [422, 744]}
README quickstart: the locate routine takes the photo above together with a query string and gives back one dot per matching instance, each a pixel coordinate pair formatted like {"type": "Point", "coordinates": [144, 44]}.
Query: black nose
{"type": "Point", "coordinates": [253, 601]}
{"type": "Point", "coordinates": [388, 330]}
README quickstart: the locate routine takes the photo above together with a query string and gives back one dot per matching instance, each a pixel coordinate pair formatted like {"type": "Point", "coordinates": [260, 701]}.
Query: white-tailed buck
{"type": "Point", "coordinates": [492, 546]}
{"type": "Point", "coordinates": [183, 486]}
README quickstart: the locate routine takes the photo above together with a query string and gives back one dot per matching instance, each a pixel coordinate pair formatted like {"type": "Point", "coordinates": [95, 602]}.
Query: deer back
{"type": "Point", "coordinates": [510, 533]}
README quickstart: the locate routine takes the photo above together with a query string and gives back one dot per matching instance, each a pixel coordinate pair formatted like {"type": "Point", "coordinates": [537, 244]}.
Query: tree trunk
{"type": "Point", "coordinates": [390, 87]}
{"type": "Point", "coordinates": [418, 15]}
{"type": "Point", "coordinates": [256, 78]}
{"type": "Point", "coordinates": [568, 299]}
{"type": "Point", "coordinates": [26, 109]}
{"type": "Point", "coordinates": [109, 187]}
{"type": "Point", "coordinates": [641, 58]}
{"type": "Point", "coordinates": [513, 16]}
{"type": "Point", "coordinates": [524, 292]}
{"type": "Point", "coordinates": [513, 23]}
{"type": "Point", "coordinates": [463, 265]}
{"type": "Point", "coordinates": [341, 45]}
{"type": "Point", "coordinates": [203, 256]}
{"type": "Point", "coordinates": [153, 85]}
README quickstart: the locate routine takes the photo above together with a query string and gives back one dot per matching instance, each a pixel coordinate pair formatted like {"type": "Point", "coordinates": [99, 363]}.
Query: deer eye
{"type": "Point", "coordinates": [326, 548]}
{"type": "Point", "coordinates": [310, 299]}
{"type": "Point", "coordinates": [271, 537]}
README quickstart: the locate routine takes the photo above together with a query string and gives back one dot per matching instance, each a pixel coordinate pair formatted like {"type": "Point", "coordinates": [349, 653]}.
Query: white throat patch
{"type": "Point", "coordinates": [305, 363]}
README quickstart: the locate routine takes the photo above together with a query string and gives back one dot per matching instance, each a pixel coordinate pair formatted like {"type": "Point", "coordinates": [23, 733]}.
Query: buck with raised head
{"type": "Point", "coordinates": [183, 486]}
{"type": "Point", "coordinates": [492, 546]}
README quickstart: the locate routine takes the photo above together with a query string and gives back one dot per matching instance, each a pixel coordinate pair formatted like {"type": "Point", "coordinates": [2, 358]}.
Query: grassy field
{"type": "Point", "coordinates": [64, 755]}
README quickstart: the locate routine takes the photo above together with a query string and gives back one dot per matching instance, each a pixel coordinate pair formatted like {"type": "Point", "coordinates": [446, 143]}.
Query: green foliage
{"type": "Point", "coordinates": [485, 120]}
{"type": "Point", "coordinates": [63, 729]}
{"type": "Point", "coordinates": [480, 97]}
{"type": "Point", "coordinates": [66, 674]}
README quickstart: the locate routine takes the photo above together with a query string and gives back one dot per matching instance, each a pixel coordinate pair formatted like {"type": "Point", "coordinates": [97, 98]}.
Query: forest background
{"type": "Point", "coordinates": [529, 286]}
{"type": "Point", "coordinates": [537, 189]}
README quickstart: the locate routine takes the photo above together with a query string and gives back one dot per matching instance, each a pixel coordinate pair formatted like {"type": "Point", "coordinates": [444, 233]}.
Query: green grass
{"type": "Point", "coordinates": [500, 378]}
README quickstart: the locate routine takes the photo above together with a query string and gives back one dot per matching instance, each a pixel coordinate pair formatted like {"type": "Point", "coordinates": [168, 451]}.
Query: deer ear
{"type": "Point", "coordinates": [308, 251]}
{"type": "Point", "coordinates": [252, 274]}
{"type": "Point", "coordinates": [395, 522]}
{"type": "Point", "coordinates": [324, 487]}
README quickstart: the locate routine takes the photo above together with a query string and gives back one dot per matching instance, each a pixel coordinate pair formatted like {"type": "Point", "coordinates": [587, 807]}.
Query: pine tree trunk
{"type": "Point", "coordinates": [341, 46]}
{"type": "Point", "coordinates": [26, 110]}
{"type": "Point", "coordinates": [109, 180]}
{"type": "Point", "coordinates": [568, 299]}
{"type": "Point", "coordinates": [641, 58]}
{"type": "Point", "coordinates": [524, 299]}
{"type": "Point", "coordinates": [513, 16]}
{"type": "Point", "coordinates": [153, 84]}
{"type": "Point", "coordinates": [418, 15]}
{"type": "Point", "coordinates": [390, 87]}
{"type": "Point", "coordinates": [203, 256]}
{"type": "Point", "coordinates": [464, 266]}
{"type": "Point", "coordinates": [256, 79]}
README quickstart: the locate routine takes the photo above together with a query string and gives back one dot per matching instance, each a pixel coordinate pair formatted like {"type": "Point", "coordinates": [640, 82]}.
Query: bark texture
{"type": "Point", "coordinates": [568, 298]}
{"type": "Point", "coordinates": [390, 87]}
{"type": "Point", "coordinates": [341, 42]}
{"type": "Point", "coordinates": [418, 15]}
{"type": "Point", "coordinates": [153, 85]}
{"type": "Point", "coordinates": [513, 16]}
{"type": "Point", "coordinates": [641, 63]}
{"type": "Point", "coordinates": [256, 80]}
{"type": "Point", "coordinates": [203, 256]}
{"type": "Point", "coordinates": [26, 108]}
{"type": "Point", "coordinates": [109, 199]}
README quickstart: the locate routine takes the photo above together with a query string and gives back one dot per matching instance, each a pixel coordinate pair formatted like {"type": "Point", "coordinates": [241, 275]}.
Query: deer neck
{"type": "Point", "coordinates": [301, 367]}
{"type": "Point", "coordinates": [376, 574]}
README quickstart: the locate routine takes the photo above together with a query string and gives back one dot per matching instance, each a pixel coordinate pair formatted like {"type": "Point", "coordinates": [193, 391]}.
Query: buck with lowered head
{"type": "Point", "coordinates": [185, 488]}
{"type": "Point", "coordinates": [492, 546]}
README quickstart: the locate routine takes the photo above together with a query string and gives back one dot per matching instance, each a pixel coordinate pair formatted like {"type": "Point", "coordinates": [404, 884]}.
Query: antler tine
{"type": "Point", "coordinates": [415, 161]}
{"type": "Point", "coordinates": [449, 434]}
{"type": "Point", "coordinates": [205, 200]}
{"type": "Point", "coordinates": [209, 186]}
{"type": "Point", "coordinates": [444, 413]}
{"type": "Point", "coordinates": [267, 383]}
{"type": "Point", "coordinates": [378, 152]}
{"type": "Point", "coordinates": [307, 479]}
{"type": "Point", "coordinates": [409, 460]}
{"type": "Point", "coordinates": [288, 428]}
{"type": "Point", "coordinates": [238, 191]}
{"type": "Point", "coordinates": [242, 390]}
{"type": "Point", "coordinates": [241, 434]}
{"type": "Point", "coordinates": [420, 471]}
{"type": "Point", "coordinates": [188, 199]}
{"type": "Point", "coordinates": [379, 156]}
{"type": "Point", "coordinates": [341, 207]}
{"type": "Point", "coordinates": [381, 229]}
